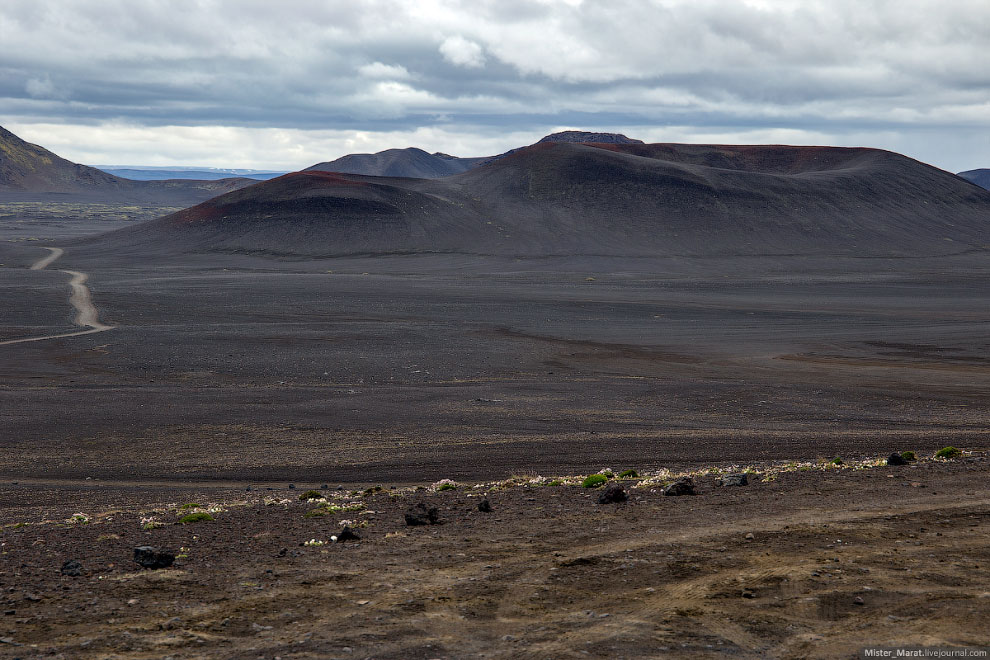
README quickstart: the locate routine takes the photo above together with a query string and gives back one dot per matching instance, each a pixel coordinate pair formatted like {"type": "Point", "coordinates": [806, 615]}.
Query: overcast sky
{"type": "Point", "coordinates": [283, 84]}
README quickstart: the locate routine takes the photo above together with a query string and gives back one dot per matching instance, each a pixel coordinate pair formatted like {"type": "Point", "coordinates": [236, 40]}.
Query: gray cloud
{"type": "Point", "coordinates": [907, 72]}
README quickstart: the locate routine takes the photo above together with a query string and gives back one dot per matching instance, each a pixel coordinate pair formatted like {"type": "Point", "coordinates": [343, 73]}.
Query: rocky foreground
{"type": "Point", "coordinates": [781, 560]}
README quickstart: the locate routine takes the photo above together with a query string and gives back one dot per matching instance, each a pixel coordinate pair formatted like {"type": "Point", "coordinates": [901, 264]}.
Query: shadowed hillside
{"type": "Point", "coordinates": [409, 162]}
{"type": "Point", "coordinates": [980, 177]}
{"type": "Point", "coordinates": [30, 172]}
{"type": "Point", "coordinates": [617, 199]}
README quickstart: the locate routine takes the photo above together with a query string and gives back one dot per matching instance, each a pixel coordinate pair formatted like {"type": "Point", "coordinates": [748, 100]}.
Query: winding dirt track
{"type": "Point", "coordinates": [80, 299]}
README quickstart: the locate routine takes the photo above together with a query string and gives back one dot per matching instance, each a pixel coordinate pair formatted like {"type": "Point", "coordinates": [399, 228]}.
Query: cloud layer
{"type": "Point", "coordinates": [269, 84]}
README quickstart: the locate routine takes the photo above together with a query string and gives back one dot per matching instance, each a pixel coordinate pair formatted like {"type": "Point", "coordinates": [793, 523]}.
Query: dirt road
{"type": "Point", "coordinates": [80, 299]}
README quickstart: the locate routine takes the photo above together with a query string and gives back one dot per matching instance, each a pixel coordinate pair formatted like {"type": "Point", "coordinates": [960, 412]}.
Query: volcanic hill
{"type": "Point", "coordinates": [411, 162]}
{"type": "Point", "coordinates": [980, 177]}
{"type": "Point", "coordinates": [559, 198]}
{"type": "Point", "coordinates": [31, 172]}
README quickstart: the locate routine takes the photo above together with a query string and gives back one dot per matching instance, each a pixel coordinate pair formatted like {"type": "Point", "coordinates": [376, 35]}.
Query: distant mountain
{"type": "Point", "coordinates": [411, 162]}
{"type": "Point", "coordinates": [416, 163]}
{"type": "Point", "coordinates": [980, 177]}
{"type": "Point", "coordinates": [588, 137]}
{"type": "Point", "coordinates": [627, 199]}
{"type": "Point", "coordinates": [203, 173]}
{"type": "Point", "coordinates": [28, 171]}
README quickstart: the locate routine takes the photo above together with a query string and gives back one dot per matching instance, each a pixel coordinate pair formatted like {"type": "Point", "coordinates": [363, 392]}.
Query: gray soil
{"type": "Point", "coordinates": [228, 369]}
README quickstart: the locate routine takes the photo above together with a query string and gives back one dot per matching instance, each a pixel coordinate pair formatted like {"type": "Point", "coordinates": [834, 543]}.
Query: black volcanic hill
{"type": "Point", "coordinates": [607, 199]}
{"type": "Point", "coordinates": [980, 177]}
{"type": "Point", "coordinates": [28, 171]}
{"type": "Point", "coordinates": [409, 162]}
{"type": "Point", "coordinates": [589, 137]}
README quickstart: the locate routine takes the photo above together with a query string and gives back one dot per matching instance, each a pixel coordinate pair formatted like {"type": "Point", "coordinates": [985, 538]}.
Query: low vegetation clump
{"type": "Point", "coordinates": [191, 505]}
{"type": "Point", "coordinates": [316, 513]}
{"type": "Point", "coordinates": [947, 452]}
{"type": "Point", "coordinates": [909, 456]}
{"type": "Point", "coordinates": [373, 490]}
{"type": "Point", "coordinates": [628, 474]}
{"type": "Point", "coordinates": [594, 481]}
{"type": "Point", "coordinates": [443, 484]}
{"type": "Point", "coordinates": [311, 495]}
{"type": "Point", "coordinates": [201, 516]}
{"type": "Point", "coordinates": [837, 461]}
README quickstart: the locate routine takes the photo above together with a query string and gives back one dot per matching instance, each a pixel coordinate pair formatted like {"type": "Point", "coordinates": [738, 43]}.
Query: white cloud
{"type": "Point", "coordinates": [830, 68]}
{"type": "Point", "coordinates": [462, 52]}
{"type": "Point", "coordinates": [378, 70]}
{"type": "Point", "coordinates": [41, 88]}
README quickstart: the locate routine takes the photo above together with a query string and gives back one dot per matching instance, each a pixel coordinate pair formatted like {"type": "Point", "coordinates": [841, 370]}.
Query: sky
{"type": "Point", "coordinates": [284, 84]}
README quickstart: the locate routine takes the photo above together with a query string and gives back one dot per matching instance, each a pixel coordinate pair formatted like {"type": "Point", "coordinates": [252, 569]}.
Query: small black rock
{"type": "Point", "coordinates": [485, 506]}
{"type": "Point", "coordinates": [896, 459]}
{"type": "Point", "coordinates": [150, 557]}
{"type": "Point", "coordinates": [683, 486]}
{"type": "Point", "coordinates": [613, 494]}
{"type": "Point", "coordinates": [324, 487]}
{"type": "Point", "coordinates": [739, 479]}
{"type": "Point", "coordinates": [292, 486]}
{"type": "Point", "coordinates": [72, 568]}
{"type": "Point", "coordinates": [420, 515]}
{"type": "Point", "coordinates": [347, 534]}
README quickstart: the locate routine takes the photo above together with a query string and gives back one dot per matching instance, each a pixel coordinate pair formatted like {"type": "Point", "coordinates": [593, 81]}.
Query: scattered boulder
{"type": "Point", "coordinates": [613, 494]}
{"type": "Point", "coordinates": [737, 479]}
{"type": "Point", "coordinates": [418, 514]}
{"type": "Point", "coordinates": [347, 534]}
{"type": "Point", "coordinates": [485, 506]}
{"type": "Point", "coordinates": [896, 459]}
{"type": "Point", "coordinates": [72, 568]}
{"type": "Point", "coordinates": [682, 486]}
{"type": "Point", "coordinates": [150, 557]}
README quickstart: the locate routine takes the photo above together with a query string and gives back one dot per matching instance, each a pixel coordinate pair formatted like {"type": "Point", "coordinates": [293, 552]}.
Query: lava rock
{"type": "Point", "coordinates": [739, 479]}
{"type": "Point", "coordinates": [347, 534]}
{"type": "Point", "coordinates": [485, 506]}
{"type": "Point", "coordinates": [150, 557]}
{"type": "Point", "coordinates": [896, 459]}
{"type": "Point", "coordinates": [613, 494]}
{"type": "Point", "coordinates": [683, 486]}
{"type": "Point", "coordinates": [420, 515]}
{"type": "Point", "coordinates": [72, 568]}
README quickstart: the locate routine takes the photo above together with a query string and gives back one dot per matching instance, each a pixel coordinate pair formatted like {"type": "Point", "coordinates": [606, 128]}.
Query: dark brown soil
{"type": "Point", "coordinates": [811, 563]}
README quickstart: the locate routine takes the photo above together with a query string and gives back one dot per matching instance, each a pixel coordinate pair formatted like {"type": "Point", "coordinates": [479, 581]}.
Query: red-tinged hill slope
{"type": "Point", "coordinates": [615, 199]}
{"type": "Point", "coordinates": [31, 172]}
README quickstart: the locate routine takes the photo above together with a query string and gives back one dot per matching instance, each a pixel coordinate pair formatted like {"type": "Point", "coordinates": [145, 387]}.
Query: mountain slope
{"type": "Point", "coordinates": [28, 171]}
{"type": "Point", "coordinates": [980, 177]}
{"type": "Point", "coordinates": [409, 162]}
{"type": "Point", "coordinates": [620, 199]}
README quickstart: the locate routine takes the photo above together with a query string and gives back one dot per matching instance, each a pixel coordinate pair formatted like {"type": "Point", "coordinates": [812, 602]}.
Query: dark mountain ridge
{"type": "Point", "coordinates": [410, 162]}
{"type": "Point", "coordinates": [31, 172]}
{"type": "Point", "coordinates": [980, 177]}
{"type": "Point", "coordinates": [558, 198]}
{"type": "Point", "coordinates": [416, 163]}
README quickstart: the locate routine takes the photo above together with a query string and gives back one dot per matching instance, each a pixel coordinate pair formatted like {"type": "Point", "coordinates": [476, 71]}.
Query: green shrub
{"type": "Point", "coordinates": [202, 516]}
{"type": "Point", "coordinates": [555, 482]}
{"type": "Point", "coordinates": [947, 452]}
{"type": "Point", "coordinates": [443, 487]}
{"type": "Point", "coordinates": [629, 474]}
{"type": "Point", "coordinates": [373, 490]}
{"type": "Point", "coordinates": [311, 495]}
{"type": "Point", "coordinates": [191, 505]}
{"type": "Point", "coordinates": [909, 456]}
{"type": "Point", "coordinates": [837, 461]}
{"type": "Point", "coordinates": [594, 481]}
{"type": "Point", "coordinates": [316, 513]}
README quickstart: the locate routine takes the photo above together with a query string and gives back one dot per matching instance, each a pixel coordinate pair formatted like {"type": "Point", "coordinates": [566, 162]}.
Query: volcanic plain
{"type": "Point", "coordinates": [303, 331]}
